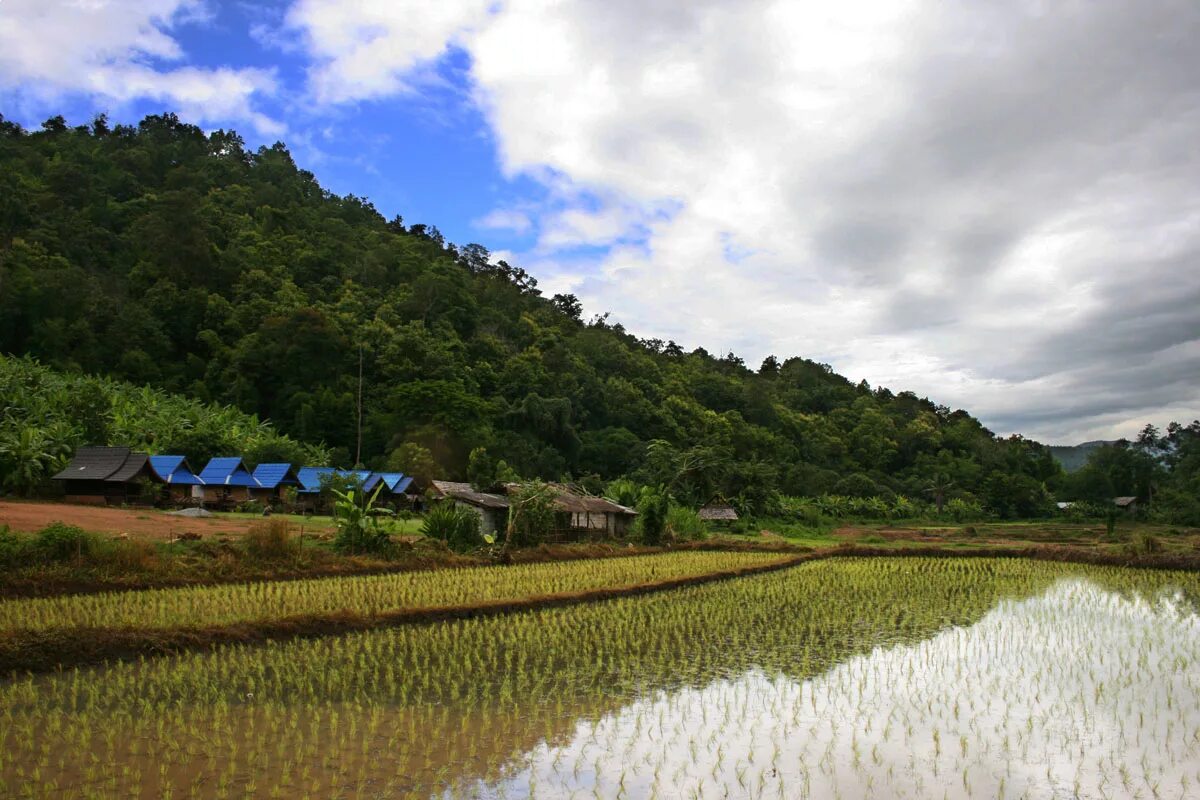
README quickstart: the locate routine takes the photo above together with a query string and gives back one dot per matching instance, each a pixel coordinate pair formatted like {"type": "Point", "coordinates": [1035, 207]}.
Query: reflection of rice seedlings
{"type": "Point", "coordinates": [832, 679]}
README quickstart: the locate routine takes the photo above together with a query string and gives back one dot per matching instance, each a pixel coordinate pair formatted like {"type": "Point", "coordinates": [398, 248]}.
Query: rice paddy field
{"type": "Point", "coordinates": [906, 677]}
{"type": "Point", "coordinates": [366, 596]}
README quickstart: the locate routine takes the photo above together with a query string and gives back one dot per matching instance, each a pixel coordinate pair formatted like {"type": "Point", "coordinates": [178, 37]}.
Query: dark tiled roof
{"type": "Point", "coordinates": [137, 465]}
{"type": "Point", "coordinates": [94, 464]}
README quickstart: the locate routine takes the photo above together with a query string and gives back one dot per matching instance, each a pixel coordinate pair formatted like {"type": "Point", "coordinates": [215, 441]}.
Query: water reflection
{"type": "Point", "coordinates": [1078, 692]}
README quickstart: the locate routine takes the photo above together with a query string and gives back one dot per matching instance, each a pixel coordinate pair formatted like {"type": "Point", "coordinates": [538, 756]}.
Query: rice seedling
{"type": "Point", "coordinates": [363, 595]}
{"type": "Point", "coordinates": [831, 679]}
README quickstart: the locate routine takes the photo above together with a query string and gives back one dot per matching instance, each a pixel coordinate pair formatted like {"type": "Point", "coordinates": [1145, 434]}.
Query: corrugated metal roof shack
{"type": "Point", "coordinates": [227, 481]}
{"type": "Point", "coordinates": [108, 475]}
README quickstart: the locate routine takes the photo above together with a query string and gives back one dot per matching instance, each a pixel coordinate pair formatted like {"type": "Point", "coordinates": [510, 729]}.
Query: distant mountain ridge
{"type": "Point", "coordinates": [1074, 456]}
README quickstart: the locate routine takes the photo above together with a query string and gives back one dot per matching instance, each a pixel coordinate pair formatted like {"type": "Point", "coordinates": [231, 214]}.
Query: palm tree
{"type": "Point", "coordinates": [938, 487]}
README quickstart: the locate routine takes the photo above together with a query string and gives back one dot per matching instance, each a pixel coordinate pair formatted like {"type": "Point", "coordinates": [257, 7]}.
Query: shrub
{"type": "Point", "coordinates": [458, 527]}
{"type": "Point", "coordinates": [856, 485]}
{"type": "Point", "coordinates": [14, 549]}
{"type": "Point", "coordinates": [624, 492]}
{"type": "Point", "coordinates": [61, 542]}
{"type": "Point", "coordinates": [270, 540]}
{"type": "Point", "coordinates": [530, 515]}
{"type": "Point", "coordinates": [652, 516]}
{"type": "Point", "coordinates": [1143, 544]}
{"type": "Point", "coordinates": [251, 507]}
{"type": "Point", "coordinates": [359, 529]}
{"type": "Point", "coordinates": [684, 523]}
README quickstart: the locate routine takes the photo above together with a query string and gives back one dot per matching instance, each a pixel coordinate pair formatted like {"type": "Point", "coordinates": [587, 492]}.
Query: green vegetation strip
{"type": "Point", "coordinates": [312, 716]}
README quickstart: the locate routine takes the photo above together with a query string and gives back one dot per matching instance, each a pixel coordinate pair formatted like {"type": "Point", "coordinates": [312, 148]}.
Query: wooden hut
{"type": "Point", "coordinates": [1127, 504]}
{"type": "Point", "coordinates": [587, 515]}
{"type": "Point", "coordinates": [272, 478]}
{"type": "Point", "coordinates": [578, 515]}
{"type": "Point", "coordinates": [491, 508]}
{"type": "Point", "coordinates": [227, 481]}
{"type": "Point", "coordinates": [720, 513]}
{"type": "Point", "coordinates": [107, 475]}
{"type": "Point", "coordinates": [182, 482]}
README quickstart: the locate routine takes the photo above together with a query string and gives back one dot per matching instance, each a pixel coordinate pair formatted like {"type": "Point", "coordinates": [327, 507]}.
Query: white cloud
{"type": "Point", "coordinates": [371, 48]}
{"type": "Point", "coordinates": [506, 219]}
{"type": "Point", "coordinates": [114, 50]}
{"type": "Point", "coordinates": [975, 204]}
{"type": "Point", "coordinates": [996, 206]}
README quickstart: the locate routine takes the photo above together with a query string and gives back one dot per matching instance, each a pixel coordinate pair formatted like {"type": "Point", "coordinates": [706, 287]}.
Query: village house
{"type": "Point", "coordinates": [227, 481]}
{"type": "Point", "coordinates": [397, 489]}
{"type": "Point", "coordinates": [580, 514]}
{"type": "Point", "coordinates": [491, 508]}
{"type": "Point", "coordinates": [271, 479]}
{"type": "Point", "coordinates": [182, 482]}
{"type": "Point", "coordinates": [108, 475]}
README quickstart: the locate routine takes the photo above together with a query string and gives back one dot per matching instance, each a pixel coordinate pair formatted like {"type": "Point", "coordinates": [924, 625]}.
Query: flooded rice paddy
{"type": "Point", "coordinates": [845, 678]}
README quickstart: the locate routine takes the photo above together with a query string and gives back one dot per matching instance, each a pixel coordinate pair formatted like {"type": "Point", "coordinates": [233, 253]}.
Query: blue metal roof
{"type": "Point", "coordinates": [175, 470]}
{"type": "Point", "coordinates": [229, 471]}
{"type": "Point", "coordinates": [396, 482]}
{"type": "Point", "coordinates": [310, 477]}
{"type": "Point", "coordinates": [269, 476]}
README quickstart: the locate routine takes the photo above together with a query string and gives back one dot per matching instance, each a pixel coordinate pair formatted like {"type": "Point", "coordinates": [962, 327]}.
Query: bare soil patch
{"type": "Point", "coordinates": [152, 524]}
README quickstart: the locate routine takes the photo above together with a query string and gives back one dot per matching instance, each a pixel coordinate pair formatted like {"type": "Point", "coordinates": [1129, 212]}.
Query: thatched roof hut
{"type": "Point", "coordinates": [718, 512]}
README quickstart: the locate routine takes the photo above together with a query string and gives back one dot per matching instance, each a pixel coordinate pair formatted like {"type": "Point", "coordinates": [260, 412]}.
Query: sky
{"type": "Point", "coordinates": [995, 205]}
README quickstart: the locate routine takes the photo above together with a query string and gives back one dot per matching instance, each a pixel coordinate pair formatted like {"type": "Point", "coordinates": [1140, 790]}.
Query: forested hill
{"type": "Point", "coordinates": [161, 255]}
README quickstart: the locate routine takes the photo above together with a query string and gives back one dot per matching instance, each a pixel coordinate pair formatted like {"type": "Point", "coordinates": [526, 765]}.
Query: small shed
{"type": "Point", "coordinates": [491, 508]}
{"type": "Point", "coordinates": [226, 480]}
{"type": "Point", "coordinates": [584, 514]}
{"type": "Point", "coordinates": [721, 513]}
{"type": "Point", "coordinates": [272, 478]}
{"type": "Point", "coordinates": [104, 475]}
{"type": "Point", "coordinates": [1128, 504]}
{"type": "Point", "coordinates": [181, 480]}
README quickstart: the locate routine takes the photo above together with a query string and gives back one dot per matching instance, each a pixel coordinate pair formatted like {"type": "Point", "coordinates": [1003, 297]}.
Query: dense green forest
{"type": "Point", "coordinates": [162, 256]}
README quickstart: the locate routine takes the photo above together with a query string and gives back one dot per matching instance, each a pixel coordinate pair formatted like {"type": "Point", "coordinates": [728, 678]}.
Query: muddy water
{"type": "Point", "coordinates": [891, 678]}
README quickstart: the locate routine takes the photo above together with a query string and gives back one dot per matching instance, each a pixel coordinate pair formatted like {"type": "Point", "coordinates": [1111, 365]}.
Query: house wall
{"type": "Point", "coordinates": [596, 521]}
{"type": "Point", "coordinates": [216, 492]}
{"type": "Point", "coordinates": [487, 517]}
